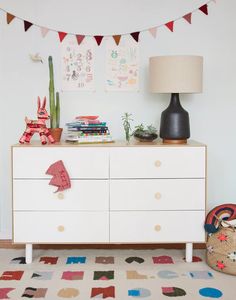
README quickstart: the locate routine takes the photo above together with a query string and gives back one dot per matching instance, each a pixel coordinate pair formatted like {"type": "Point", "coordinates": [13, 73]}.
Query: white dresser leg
{"type": "Point", "coordinates": [28, 253]}
{"type": "Point", "coordinates": [189, 252]}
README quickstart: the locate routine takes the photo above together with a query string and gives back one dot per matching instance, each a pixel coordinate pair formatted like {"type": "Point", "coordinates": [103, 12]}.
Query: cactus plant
{"type": "Point", "coordinates": [54, 105]}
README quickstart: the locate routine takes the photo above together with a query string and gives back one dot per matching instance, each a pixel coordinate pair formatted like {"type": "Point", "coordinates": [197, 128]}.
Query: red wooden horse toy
{"type": "Point", "coordinates": [38, 126]}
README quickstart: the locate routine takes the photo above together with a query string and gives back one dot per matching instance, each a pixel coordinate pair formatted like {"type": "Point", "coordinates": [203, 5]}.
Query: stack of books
{"type": "Point", "coordinates": [88, 129]}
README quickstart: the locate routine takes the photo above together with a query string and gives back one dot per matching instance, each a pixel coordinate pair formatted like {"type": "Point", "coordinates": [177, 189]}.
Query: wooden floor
{"type": "Point", "coordinates": [7, 244]}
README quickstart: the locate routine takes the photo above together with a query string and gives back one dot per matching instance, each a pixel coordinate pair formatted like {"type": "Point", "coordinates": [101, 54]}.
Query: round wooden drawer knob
{"type": "Point", "coordinates": [60, 228]}
{"type": "Point", "coordinates": [60, 196]}
{"type": "Point", "coordinates": [158, 196]}
{"type": "Point", "coordinates": [158, 163]}
{"type": "Point", "coordinates": [158, 227]}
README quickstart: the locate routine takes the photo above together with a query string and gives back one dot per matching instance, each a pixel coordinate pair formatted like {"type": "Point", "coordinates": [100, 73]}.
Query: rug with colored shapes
{"type": "Point", "coordinates": [111, 274]}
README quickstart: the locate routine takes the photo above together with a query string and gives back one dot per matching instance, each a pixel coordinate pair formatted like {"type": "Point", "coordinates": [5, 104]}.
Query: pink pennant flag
{"type": "Point", "coordinates": [204, 9]}
{"type": "Point", "coordinates": [62, 35]}
{"type": "Point", "coordinates": [153, 31]}
{"type": "Point", "coordinates": [80, 38]}
{"type": "Point", "coordinates": [170, 25]}
{"type": "Point", "coordinates": [44, 31]}
{"type": "Point", "coordinates": [188, 18]}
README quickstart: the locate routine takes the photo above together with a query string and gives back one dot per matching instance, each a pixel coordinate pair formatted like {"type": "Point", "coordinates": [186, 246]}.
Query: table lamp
{"type": "Point", "coordinates": [175, 74]}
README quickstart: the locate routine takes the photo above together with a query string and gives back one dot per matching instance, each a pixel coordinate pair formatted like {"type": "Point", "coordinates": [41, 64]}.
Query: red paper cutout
{"type": "Point", "coordinates": [188, 18]}
{"type": "Point", "coordinates": [117, 39]}
{"type": "Point", "coordinates": [60, 178]}
{"type": "Point", "coordinates": [10, 17]}
{"type": "Point", "coordinates": [27, 25]}
{"type": "Point", "coordinates": [98, 39]}
{"type": "Point", "coordinates": [135, 35]}
{"type": "Point", "coordinates": [62, 35]}
{"type": "Point", "coordinates": [170, 25]}
{"type": "Point", "coordinates": [80, 38]}
{"type": "Point", "coordinates": [204, 9]}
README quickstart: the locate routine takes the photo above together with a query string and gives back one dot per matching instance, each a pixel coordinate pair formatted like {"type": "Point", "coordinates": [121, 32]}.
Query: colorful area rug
{"type": "Point", "coordinates": [111, 274]}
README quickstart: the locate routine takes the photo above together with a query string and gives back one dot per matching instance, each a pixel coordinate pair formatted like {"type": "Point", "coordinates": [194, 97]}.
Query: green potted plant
{"type": "Point", "coordinates": [54, 102]}
{"type": "Point", "coordinates": [126, 118]}
{"type": "Point", "coordinates": [143, 134]}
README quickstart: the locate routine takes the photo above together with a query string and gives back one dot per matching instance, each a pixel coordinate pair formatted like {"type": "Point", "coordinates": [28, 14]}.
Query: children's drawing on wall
{"type": "Point", "coordinates": [77, 65]}
{"type": "Point", "coordinates": [122, 69]}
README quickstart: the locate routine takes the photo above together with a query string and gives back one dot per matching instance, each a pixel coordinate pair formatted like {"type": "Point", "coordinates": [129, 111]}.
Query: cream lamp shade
{"type": "Point", "coordinates": [176, 74]}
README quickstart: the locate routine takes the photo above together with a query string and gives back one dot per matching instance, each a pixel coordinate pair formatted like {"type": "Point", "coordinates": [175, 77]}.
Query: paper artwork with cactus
{"type": "Point", "coordinates": [122, 66]}
{"type": "Point", "coordinates": [77, 65]}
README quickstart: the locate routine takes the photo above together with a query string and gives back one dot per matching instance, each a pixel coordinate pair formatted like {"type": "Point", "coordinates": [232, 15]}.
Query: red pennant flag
{"type": "Point", "coordinates": [117, 39]}
{"type": "Point", "coordinates": [80, 38]}
{"type": "Point", "coordinates": [204, 9]}
{"type": "Point", "coordinates": [27, 25]}
{"type": "Point", "coordinates": [170, 25]}
{"type": "Point", "coordinates": [98, 39]}
{"type": "Point", "coordinates": [62, 35]}
{"type": "Point", "coordinates": [188, 18]}
{"type": "Point", "coordinates": [135, 35]}
{"type": "Point", "coordinates": [10, 18]}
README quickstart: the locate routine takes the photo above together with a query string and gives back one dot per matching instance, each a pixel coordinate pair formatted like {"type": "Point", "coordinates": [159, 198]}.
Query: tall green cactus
{"type": "Point", "coordinates": [54, 105]}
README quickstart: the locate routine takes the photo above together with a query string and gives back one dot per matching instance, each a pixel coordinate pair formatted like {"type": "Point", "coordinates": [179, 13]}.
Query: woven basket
{"type": "Point", "coordinates": [221, 250]}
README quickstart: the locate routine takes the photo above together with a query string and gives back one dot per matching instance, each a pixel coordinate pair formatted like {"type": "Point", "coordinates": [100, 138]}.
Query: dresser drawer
{"type": "Point", "coordinates": [61, 227]}
{"type": "Point", "coordinates": [157, 194]}
{"type": "Point", "coordinates": [161, 162]}
{"type": "Point", "coordinates": [84, 195]}
{"type": "Point", "coordinates": [157, 227]}
{"type": "Point", "coordinates": [33, 162]}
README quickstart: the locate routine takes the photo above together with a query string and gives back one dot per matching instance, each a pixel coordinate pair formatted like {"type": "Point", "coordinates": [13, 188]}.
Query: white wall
{"type": "Point", "coordinates": [212, 113]}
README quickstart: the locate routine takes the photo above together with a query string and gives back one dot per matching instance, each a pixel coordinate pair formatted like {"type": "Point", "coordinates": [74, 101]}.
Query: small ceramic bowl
{"type": "Point", "coordinates": [145, 136]}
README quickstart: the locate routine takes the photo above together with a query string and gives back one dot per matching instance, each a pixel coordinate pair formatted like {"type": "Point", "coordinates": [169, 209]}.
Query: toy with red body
{"type": "Point", "coordinates": [39, 126]}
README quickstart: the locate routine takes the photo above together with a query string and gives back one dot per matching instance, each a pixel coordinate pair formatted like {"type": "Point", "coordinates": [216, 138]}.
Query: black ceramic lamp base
{"type": "Point", "coordinates": [175, 128]}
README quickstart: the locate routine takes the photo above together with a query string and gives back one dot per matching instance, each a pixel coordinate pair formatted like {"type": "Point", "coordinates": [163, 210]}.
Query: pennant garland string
{"type": "Point", "coordinates": [117, 37]}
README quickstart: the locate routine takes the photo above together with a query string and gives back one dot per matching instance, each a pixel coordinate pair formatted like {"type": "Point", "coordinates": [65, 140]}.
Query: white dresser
{"type": "Point", "coordinates": [136, 193]}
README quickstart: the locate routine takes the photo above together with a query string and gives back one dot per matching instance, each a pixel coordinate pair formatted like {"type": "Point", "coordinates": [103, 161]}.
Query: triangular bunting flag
{"type": "Point", "coordinates": [80, 38]}
{"type": "Point", "coordinates": [204, 9]}
{"type": "Point", "coordinates": [27, 25]}
{"type": "Point", "coordinates": [10, 18]}
{"type": "Point", "coordinates": [153, 31]}
{"type": "Point", "coordinates": [170, 25]}
{"type": "Point", "coordinates": [135, 35]}
{"type": "Point", "coordinates": [44, 31]}
{"type": "Point", "coordinates": [117, 39]}
{"type": "Point", "coordinates": [188, 18]}
{"type": "Point", "coordinates": [62, 35]}
{"type": "Point", "coordinates": [98, 39]}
